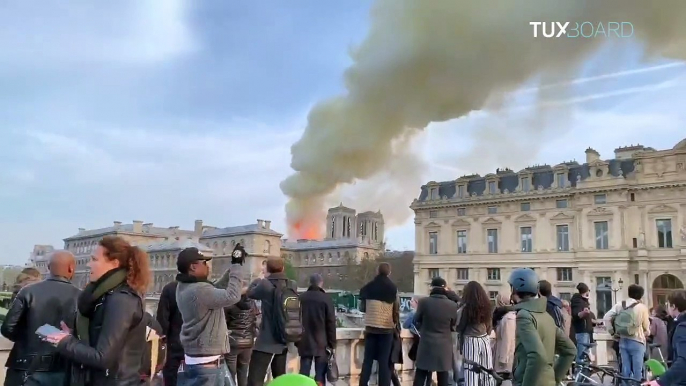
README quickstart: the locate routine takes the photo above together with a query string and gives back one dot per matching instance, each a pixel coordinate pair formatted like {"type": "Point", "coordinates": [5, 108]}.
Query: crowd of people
{"type": "Point", "coordinates": [230, 332]}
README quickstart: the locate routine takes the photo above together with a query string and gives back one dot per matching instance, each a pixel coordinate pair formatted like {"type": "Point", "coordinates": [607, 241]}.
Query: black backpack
{"type": "Point", "coordinates": [288, 326]}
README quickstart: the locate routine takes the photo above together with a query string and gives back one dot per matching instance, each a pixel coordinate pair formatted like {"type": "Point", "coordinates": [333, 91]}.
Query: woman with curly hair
{"type": "Point", "coordinates": [107, 345]}
{"type": "Point", "coordinates": [475, 318]}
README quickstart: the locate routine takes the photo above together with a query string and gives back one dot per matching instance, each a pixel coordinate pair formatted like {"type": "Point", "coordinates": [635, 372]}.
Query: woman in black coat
{"type": "Point", "coordinates": [107, 345]}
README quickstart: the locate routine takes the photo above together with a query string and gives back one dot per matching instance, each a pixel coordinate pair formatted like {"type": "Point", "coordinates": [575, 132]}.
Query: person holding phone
{"type": "Point", "coordinates": [582, 321]}
{"type": "Point", "coordinates": [107, 345]}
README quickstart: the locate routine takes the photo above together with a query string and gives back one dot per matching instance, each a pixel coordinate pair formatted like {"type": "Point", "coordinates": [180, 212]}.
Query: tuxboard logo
{"type": "Point", "coordinates": [586, 29]}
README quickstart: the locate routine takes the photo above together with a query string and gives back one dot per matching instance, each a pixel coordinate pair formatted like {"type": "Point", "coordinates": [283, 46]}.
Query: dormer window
{"type": "Point", "coordinates": [461, 190]}
{"type": "Point", "coordinates": [433, 193]}
{"type": "Point", "coordinates": [492, 187]}
{"type": "Point", "coordinates": [525, 183]}
{"type": "Point", "coordinates": [561, 179]}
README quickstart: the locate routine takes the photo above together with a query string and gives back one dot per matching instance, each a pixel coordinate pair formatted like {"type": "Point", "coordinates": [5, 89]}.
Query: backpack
{"type": "Point", "coordinates": [286, 314]}
{"type": "Point", "coordinates": [625, 323]}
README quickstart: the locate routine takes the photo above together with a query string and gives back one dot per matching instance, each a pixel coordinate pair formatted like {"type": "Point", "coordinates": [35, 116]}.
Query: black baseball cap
{"type": "Point", "coordinates": [438, 282]}
{"type": "Point", "coordinates": [189, 256]}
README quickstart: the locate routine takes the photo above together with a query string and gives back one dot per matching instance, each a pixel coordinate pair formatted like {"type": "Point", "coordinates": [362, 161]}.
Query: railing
{"type": "Point", "coordinates": [350, 352]}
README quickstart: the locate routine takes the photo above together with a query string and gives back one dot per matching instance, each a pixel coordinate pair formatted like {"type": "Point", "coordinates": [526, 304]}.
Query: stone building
{"type": "Point", "coordinates": [608, 223]}
{"type": "Point", "coordinates": [163, 260]}
{"type": "Point", "coordinates": [350, 238]}
{"type": "Point", "coordinates": [39, 256]}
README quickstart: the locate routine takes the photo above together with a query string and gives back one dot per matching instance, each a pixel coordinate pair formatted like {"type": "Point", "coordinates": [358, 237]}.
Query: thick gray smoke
{"type": "Point", "coordinates": [428, 61]}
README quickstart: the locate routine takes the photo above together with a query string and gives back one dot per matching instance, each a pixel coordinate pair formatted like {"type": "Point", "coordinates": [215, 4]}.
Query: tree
{"type": "Point", "coordinates": [290, 270]}
{"type": "Point", "coordinates": [402, 268]}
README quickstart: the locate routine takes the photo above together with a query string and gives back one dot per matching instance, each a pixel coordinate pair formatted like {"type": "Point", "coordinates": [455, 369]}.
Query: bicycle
{"type": "Point", "coordinates": [584, 369]}
{"type": "Point", "coordinates": [498, 377]}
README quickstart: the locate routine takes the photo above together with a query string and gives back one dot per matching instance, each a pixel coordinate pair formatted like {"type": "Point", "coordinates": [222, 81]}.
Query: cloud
{"type": "Point", "coordinates": [127, 32]}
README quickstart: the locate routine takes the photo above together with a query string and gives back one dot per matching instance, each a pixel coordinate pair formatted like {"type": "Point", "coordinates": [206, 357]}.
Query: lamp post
{"type": "Point", "coordinates": [614, 289]}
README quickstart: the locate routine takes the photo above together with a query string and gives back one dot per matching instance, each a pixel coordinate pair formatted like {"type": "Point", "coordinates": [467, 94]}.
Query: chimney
{"type": "Point", "coordinates": [592, 155]}
{"type": "Point", "coordinates": [260, 223]}
{"type": "Point", "coordinates": [137, 226]}
{"type": "Point", "coordinates": [267, 224]}
{"type": "Point", "coordinates": [117, 224]}
{"type": "Point", "coordinates": [198, 227]}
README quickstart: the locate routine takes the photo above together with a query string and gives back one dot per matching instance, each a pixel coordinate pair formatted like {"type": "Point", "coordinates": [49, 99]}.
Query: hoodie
{"type": "Point", "coordinates": [554, 308]}
{"type": "Point", "coordinates": [537, 342]}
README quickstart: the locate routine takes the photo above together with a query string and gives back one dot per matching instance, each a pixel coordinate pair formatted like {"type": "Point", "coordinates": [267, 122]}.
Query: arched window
{"type": "Point", "coordinates": [267, 247]}
{"type": "Point", "coordinates": [333, 226]}
{"type": "Point", "coordinates": [223, 247]}
{"type": "Point", "coordinates": [330, 258]}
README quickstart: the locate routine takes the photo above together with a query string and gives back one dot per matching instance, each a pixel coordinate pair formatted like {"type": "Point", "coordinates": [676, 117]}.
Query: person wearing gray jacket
{"type": "Point", "coordinates": [204, 335]}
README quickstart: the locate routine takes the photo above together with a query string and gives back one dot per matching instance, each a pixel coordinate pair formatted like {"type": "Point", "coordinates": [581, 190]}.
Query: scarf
{"type": "Point", "coordinates": [381, 288]}
{"type": "Point", "coordinates": [89, 297]}
{"type": "Point", "coordinates": [439, 291]}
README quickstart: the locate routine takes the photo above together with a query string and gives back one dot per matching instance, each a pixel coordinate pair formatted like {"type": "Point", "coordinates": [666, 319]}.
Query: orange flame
{"type": "Point", "coordinates": [305, 230]}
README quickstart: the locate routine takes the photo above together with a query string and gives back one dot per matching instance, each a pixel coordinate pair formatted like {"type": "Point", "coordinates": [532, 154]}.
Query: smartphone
{"type": "Point", "coordinates": [46, 330]}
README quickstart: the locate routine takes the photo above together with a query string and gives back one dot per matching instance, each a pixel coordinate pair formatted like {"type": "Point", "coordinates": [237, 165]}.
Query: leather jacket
{"type": "Point", "coordinates": [47, 302]}
{"type": "Point", "coordinates": [241, 321]}
{"type": "Point", "coordinates": [117, 342]}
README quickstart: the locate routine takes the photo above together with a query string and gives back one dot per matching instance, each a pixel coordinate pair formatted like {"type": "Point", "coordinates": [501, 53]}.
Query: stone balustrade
{"type": "Point", "coordinates": [350, 352]}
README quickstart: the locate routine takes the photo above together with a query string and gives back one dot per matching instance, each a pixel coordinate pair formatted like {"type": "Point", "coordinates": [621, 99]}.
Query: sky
{"type": "Point", "coordinates": [168, 112]}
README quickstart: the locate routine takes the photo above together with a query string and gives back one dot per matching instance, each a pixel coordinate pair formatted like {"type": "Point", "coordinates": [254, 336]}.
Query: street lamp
{"type": "Point", "coordinates": [614, 289]}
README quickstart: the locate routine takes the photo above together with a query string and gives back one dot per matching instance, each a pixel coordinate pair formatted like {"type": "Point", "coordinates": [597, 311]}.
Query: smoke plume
{"type": "Point", "coordinates": [432, 61]}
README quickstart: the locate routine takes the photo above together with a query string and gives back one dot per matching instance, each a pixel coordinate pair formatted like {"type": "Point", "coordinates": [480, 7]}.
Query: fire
{"type": "Point", "coordinates": [306, 230]}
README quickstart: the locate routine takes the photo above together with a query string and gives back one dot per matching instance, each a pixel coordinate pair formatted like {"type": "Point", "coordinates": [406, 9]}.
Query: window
{"type": "Point", "coordinates": [566, 296]}
{"type": "Point", "coordinates": [461, 211]}
{"type": "Point", "coordinates": [561, 204]}
{"type": "Point", "coordinates": [434, 193]}
{"type": "Point", "coordinates": [463, 274]}
{"type": "Point", "coordinates": [433, 272]}
{"type": "Point", "coordinates": [461, 241]}
{"type": "Point", "coordinates": [492, 187]}
{"type": "Point", "coordinates": [348, 227]}
{"type": "Point", "coordinates": [634, 242]}
{"type": "Point", "coordinates": [633, 197]}
{"type": "Point", "coordinates": [564, 274]}
{"type": "Point", "coordinates": [492, 240]}
{"type": "Point", "coordinates": [600, 199]}
{"type": "Point", "coordinates": [561, 180]}
{"type": "Point", "coordinates": [525, 206]}
{"type": "Point", "coordinates": [562, 237]}
{"type": "Point", "coordinates": [460, 191]}
{"type": "Point", "coordinates": [493, 274]}
{"type": "Point", "coordinates": [433, 243]}
{"type": "Point", "coordinates": [433, 213]}
{"type": "Point", "coordinates": [492, 295]}
{"type": "Point", "coordinates": [526, 184]}
{"type": "Point", "coordinates": [525, 233]}
{"type": "Point", "coordinates": [604, 294]}
{"type": "Point", "coordinates": [492, 209]}
{"type": "Point", "coordinates": [664, 233]}
{"type": "Point", "coordinates": [601, 235]}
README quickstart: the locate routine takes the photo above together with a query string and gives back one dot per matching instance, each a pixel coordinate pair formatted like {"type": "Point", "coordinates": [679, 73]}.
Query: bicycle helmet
{"type": "Point", "coordinates": [524, 280]}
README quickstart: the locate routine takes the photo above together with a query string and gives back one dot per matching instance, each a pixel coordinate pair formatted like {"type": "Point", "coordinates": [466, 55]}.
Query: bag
{"type": "Point", "coordinates": [331, 367]}
{"type": "Point", "coordinates": [625, 322]}
{"type": "Point", "coordinates": [288, 326]}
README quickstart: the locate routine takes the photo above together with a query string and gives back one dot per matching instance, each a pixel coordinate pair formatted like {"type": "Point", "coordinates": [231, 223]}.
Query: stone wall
{"type": "Point", "coordinates": [350, 352]}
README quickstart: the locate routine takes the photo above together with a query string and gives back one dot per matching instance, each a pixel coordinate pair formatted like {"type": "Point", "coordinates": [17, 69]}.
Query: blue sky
{"type": "Point", "coordinates": [173, 111]}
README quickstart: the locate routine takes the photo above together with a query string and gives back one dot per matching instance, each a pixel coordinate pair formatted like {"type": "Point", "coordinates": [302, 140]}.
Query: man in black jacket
{"type": "Point", "coordinates": [48, 302]}
{"type": "Point", "coordinates": [169, 317]}
{"type": "Point", "coordinates": [319, 329]}
{"type": "Point", "coordinates": [554, 304]}
{"type": "Point", "coordinates": [241, 320]}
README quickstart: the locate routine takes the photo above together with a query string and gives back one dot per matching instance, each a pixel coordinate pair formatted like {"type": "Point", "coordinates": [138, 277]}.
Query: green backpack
{"type": "Point", "coordinates": [626, 323]}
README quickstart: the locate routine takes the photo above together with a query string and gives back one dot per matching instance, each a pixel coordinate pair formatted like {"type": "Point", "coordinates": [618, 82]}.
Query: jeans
{"type": "Point", "coordinates": [238, 361]}
{"type": "Point", "coordinates": [38, 378]}
{"type": "Point", "coordinates": [377, 347]}
{"type": "Point", "coordinates": [632, 353]}
{"type": "Point", "coordinates": [207, 375]}
{"type": "Point", "coordinates": [260, 361]}
{"type": "Point", "coordinates": [320, 367]}
{"type": "Point", "coordinates": [585, 338]}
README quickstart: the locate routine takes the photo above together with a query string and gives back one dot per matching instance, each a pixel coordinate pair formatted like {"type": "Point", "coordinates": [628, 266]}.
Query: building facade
{"type": "Point", "coordinates": [351, 237]}
{"type": "Point", "coordinates": [607, 223]}
{"type": "Point", "coordinates": [39, 258]}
